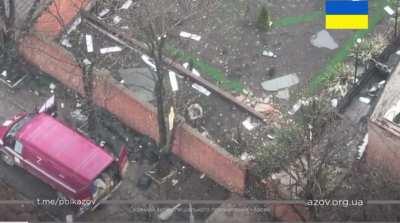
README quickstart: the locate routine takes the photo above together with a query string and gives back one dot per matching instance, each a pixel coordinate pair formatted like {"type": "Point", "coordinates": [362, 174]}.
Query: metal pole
{"type": "Point", "coordinates": [356, 66]}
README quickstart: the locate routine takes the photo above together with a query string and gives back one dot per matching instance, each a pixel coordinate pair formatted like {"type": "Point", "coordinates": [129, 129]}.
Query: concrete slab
{"type": "Point", "coordinates": [323, 39]}
{"type": "Point", "coordinates": [140, 80]}
{"type": "Point", "coordinates": [281, 82]}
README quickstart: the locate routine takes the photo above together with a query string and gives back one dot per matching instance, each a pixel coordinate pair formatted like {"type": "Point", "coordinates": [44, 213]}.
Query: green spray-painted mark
{"type": "Point", "coordinates": [295, 20]}
{"type": "Point", "coordinates": [329, 71]}
{"type": "Point", "coordinates": [205, 68]}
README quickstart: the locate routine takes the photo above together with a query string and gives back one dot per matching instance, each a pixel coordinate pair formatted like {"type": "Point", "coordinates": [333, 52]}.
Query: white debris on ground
{"type": "Point", "coordinates": [127, 4]}
{"type": "Point", "coordinates": [52, 87]}
{"type": "Point", "coordinates": [117, 19]}
{"type": "Point", "coordinates": [86, 61]}
{"type": "Point", "coordinates": [335, 102]}
{"type": "Point", "coordinates": [147, 60]}
{"type": "Point", "coordinates": [365, 100]}
{"type": "Point", "coordinates": [201, 89]}
{"type": "Point", "coordinates": [323, 39]}
{"type": "Point", "coordinates": [271, 137]}
{"type": "Point", "coordinates": [195, 111]}
{"type": "Point", "coordinates": [203, 176]}
{"type": "Point", "coordinates": [187, 35]}
{"type": "Point", "coordinates": [283, 94]}
{"type": "Point", "coordinates": [4, 73]}
{"type": "Point", "coordinates": [66, 42]}
{"type": "Point", "coordinates": [173, 81]}
{"type": "Point", "coordinates": [246, 156]}
{"type": "Point", "coordinates": [112, 49]}
{"type": "Point", "coordinates": [89, 43]}
{"type": "Point", "coordinates": [78, 115]}
{"type": "Point", "coordinates": [248, 124]}
{"type": "Point", "coordinates": [103, 13]}
{"type": "Point", "coordinates": [269, 53]}
{"type": "Point", "coordinates": [389, 10]}
{"type": "Point", "coordinates": [362, 147]}
{"type": "Point", "coordinates": [281, 82]}
{"type": "Point", "coordinates": [167, 213]}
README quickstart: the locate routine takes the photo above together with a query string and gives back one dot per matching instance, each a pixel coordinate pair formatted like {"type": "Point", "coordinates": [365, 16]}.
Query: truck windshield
{"type": "Point", "coordinates": [18, 125]}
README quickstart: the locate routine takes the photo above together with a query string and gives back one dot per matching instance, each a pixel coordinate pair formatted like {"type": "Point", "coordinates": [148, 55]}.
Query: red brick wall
{"type": "Point", "coordinates": [384, 146]}
{"type": "Point", "coordinates": [189, 145]}
{"type": "Point", "coordinates": [59, 14]}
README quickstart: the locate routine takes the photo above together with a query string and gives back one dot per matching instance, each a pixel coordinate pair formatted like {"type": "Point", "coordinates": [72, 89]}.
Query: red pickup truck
{"type": "Point", "coordinates": [63, 158]}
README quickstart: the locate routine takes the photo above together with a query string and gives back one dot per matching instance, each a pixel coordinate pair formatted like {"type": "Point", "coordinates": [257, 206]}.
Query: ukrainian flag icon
{"type": "Point", "coordinates": [346, 14]}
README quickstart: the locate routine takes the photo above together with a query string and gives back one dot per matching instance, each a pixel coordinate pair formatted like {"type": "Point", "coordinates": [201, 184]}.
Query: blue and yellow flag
{"type": "Point", "coordinates": [346, 14]}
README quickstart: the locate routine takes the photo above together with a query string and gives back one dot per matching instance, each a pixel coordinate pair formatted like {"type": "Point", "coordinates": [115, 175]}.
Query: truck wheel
{"type": "Point", "coordinates": [7, 159]}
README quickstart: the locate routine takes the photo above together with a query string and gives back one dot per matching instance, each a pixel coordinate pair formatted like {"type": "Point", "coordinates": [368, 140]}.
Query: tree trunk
{"type": "Point", "coordinates": [88, 88]}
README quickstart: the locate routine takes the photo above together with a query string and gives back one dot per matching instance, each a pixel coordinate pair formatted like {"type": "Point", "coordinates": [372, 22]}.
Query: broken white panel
{"type": "Point", "coordinates": [173, 81]}
{"type": "Point", "coordinates": [365, 100]}
{"type": "Point", "coordinates": [393, 112]}
{"type": "Point", "coordinates": [127, 4]}
{"type": "Point", "coordinates": [149, 61]}
{"type": "Point", "coordinates": [104, 12]}
{"type": "Point", "coordinates": [389, 10]}
{"type": "Point", "coordinates": [194, 71]}
{"type": "Point", "coordinates": [323, 39]}
{"type": "Point", "coordinates": [248, 124]}
{"type": "Point", "coordinates": [74, 25]}
{"type": "Point", "coordinates": [4, 73]}
{"type": "Point", "coordinates": [281, 82]}
{"type": "Point", "coordinates": [89, 43]}
{"type": "Point", "coordinates": [362, 147]}
{"type": "Point", "coordinates": [48, 104]}
{"type": "Point", "coordinates": [187, 35]}
{"type": "Point", "coordinates": [112, 49]}
{"type": "Point", "coordinates": [201, 89]}
{"type": "Point", "coordinates": [117, 19]}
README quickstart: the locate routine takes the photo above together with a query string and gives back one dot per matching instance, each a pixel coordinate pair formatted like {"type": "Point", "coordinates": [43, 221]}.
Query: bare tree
{"type": "Point", "coordinates": [309, 157]}
{"type": "Point", "coordinates": [157, 21]}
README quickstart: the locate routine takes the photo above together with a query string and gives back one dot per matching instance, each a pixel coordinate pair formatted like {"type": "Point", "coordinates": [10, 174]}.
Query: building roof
{"type": "Point", "coordinates": [388, 105]}
{"type": "Point", "coordinates": [69, 149]}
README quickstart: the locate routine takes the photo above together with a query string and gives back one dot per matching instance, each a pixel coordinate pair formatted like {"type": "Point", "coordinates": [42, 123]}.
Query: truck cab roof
{"type": "Point", "coordinates": [65, 146]}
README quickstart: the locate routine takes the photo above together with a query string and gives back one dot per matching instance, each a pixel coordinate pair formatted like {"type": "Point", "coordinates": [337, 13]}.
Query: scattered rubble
{"type": "Point", "coordinates": [283, 94]}
{"type": "Point", "coordinates": [249, 125]}
{"type": "Point", "coordinates": [195, 111]}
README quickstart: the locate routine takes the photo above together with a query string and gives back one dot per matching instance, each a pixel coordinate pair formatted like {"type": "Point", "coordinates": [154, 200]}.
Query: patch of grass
{"type": "Point", "coordinates": [207, 69]}
{"type": "Point", "coordinates": [320, 80]}
{"type": "Point", "coordinates": [295, 20]}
